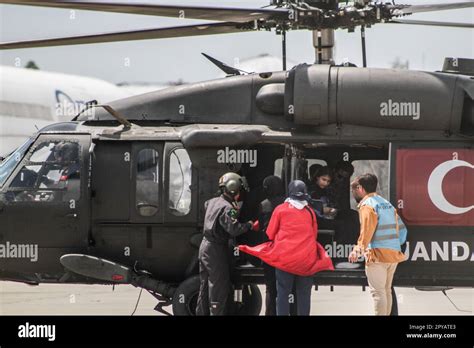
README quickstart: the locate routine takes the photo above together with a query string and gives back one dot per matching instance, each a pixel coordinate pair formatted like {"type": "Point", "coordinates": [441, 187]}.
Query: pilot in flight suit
{"type": "Point", "coordinates": [220, 224]}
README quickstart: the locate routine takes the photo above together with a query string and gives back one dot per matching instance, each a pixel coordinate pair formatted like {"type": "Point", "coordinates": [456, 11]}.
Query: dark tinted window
{"type": "Point", "coordinates": [148, 178]}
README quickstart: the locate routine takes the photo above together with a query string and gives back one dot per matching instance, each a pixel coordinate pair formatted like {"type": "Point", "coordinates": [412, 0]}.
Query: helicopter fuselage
{"type": "Point", "coordinates": [134, 194]}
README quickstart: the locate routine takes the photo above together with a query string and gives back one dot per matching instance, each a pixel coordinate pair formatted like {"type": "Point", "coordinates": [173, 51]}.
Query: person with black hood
{"type": "Point", "coordinates": [339, 189]}
{"type": "Point", "coordinates": [347, 224]}
{"type": "Point", "coordinates": [275, 195]}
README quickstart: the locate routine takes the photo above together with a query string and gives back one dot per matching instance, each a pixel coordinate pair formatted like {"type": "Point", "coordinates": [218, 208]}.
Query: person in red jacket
{"type": "Point", "coordinates": [293, 250]}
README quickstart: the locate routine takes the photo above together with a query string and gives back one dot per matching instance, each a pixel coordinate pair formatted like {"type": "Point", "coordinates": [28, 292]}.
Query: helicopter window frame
{"type": "Point", "coordinates": [169, 217]}
{"type": "Point", "coordinates": [42, 192]}
{"type": "Point", "coordinates": [151, 205]}
{"type": "Point", "coordinates": [11, 162]}
{"type": "Point", "coordinates": [171, 151]}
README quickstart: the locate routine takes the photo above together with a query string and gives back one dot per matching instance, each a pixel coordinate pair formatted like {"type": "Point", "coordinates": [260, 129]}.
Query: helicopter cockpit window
{"type": "Point", "coordinates": [180, 179]}
{"type": "Point", "coordinates": [148, 178]}
{"type": "Point", "coordinates": [8, 165]}
{"type": "Point", "coordinates": [51, 174]}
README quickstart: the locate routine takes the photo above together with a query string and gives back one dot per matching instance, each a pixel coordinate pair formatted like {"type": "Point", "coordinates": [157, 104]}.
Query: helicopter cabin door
{"type": "Point", "coordinates": [432, 186]}
{"type": "Point", "coordinates": [48, 195]}
{"type": "Point", "coordinates": [127, 196]}
{"type": "Point", "coordinates": [163, 208]}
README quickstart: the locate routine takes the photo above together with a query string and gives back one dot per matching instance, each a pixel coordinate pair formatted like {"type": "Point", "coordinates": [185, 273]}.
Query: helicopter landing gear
{"type": "Point", "coordinates": [162, 302]}
{"type": "Point", "coordinates": [246, 301]}
{"type": "Point", "coordinates": [185, 297]}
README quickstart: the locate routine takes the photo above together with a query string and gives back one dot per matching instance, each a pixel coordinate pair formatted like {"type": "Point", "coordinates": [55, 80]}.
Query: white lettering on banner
{"type": "Point", "coordinates": [439, 251]}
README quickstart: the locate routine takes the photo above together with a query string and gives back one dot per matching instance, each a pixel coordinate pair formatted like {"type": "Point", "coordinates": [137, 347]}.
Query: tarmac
{"type": "Point", "coordinates": [74, 299]}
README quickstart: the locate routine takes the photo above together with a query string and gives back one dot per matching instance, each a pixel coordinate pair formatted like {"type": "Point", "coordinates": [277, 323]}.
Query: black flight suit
{"type": "Point", "coordinates": [220, 224]}
{"type": "Point", "coordinates": [339, 193]}
{"type": "Point", "coordinates": [346, 224]}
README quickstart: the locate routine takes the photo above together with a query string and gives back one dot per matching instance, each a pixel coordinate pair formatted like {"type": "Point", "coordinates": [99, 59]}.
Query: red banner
{"type": "Point", "coordinates": [435, 186]}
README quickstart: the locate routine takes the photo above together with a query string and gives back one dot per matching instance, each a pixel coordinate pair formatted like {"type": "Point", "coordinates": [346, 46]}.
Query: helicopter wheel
{"type": "Point", "coordinates": [251, 301]}
{"type": "Point", "coordinates": [186, 296]}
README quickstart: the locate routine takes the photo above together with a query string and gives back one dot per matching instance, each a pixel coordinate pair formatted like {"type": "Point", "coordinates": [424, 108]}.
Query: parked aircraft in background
{"type": "Point", "coordinates": [31, 99]}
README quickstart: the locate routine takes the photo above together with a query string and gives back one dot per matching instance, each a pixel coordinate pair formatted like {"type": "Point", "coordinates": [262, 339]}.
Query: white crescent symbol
{"type": "Point", "coordinates": [435, 187]}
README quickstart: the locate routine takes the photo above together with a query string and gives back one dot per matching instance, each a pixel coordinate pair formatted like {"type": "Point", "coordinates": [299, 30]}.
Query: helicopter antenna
{"type": "Point", "coordinates": [364, 52]}
{"type": "Point", "coordinates": [110, 110]}
{"type": "Point", "coordinates": [281, 30]}
{"type": "Point", "coordinates": [283, 48]}
{"type": "Point", "coordinates": [116, 115]}
{"type": "Point", "coordinates": [138, 301]}
{"type": "Point", "coordinates": [320, 50]}
{"type": "Point", "coordinates": [229, 70]}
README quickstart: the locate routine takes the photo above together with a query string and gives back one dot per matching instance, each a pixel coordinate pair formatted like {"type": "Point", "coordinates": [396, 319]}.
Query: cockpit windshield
{"type": "Point", "coordinates": [9, 164]}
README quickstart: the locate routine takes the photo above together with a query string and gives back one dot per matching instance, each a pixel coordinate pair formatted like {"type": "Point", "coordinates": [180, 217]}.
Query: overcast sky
{"type": "Point", "coordinates": [173, 59]}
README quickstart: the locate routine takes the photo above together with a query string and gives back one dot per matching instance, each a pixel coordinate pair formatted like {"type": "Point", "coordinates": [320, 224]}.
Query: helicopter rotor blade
{"type": "Point", "coordinates": [432, 23]}
{"type": "Point", "coordinates": [133, 35]}
{"type": "Point", "coordinates": [436, 7]}
{"type": "Point", "coordinates": [225, 14]}
{"type": "Point", "coordinates": [234, 20]}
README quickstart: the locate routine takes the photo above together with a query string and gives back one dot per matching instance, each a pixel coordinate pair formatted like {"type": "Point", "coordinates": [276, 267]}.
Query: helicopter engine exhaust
{"type": "Point", "coordinates": [320, 95]}
{"type": "Point", "coordinates": [317, 95]}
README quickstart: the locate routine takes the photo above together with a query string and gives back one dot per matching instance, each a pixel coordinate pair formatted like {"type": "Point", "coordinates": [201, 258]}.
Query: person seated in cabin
{"type": "Point", "coordinates": [328, 203]}
{"type": "Point", "coordinates": [322, 203]}
{"type": "Point", "coordinates": [312, 172]}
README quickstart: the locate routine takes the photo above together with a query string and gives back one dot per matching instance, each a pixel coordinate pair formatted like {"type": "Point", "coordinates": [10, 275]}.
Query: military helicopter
{"type": "Point", "coordinates": [116, 196]}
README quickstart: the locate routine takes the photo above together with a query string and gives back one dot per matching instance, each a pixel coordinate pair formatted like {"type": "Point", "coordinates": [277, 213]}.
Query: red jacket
{"type": "Point", "coordinates": [292, 247]}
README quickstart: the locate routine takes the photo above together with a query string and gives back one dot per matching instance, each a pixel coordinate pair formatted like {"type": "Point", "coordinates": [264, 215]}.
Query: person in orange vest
{"type": "Point", "coordinates": [382, 233]}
